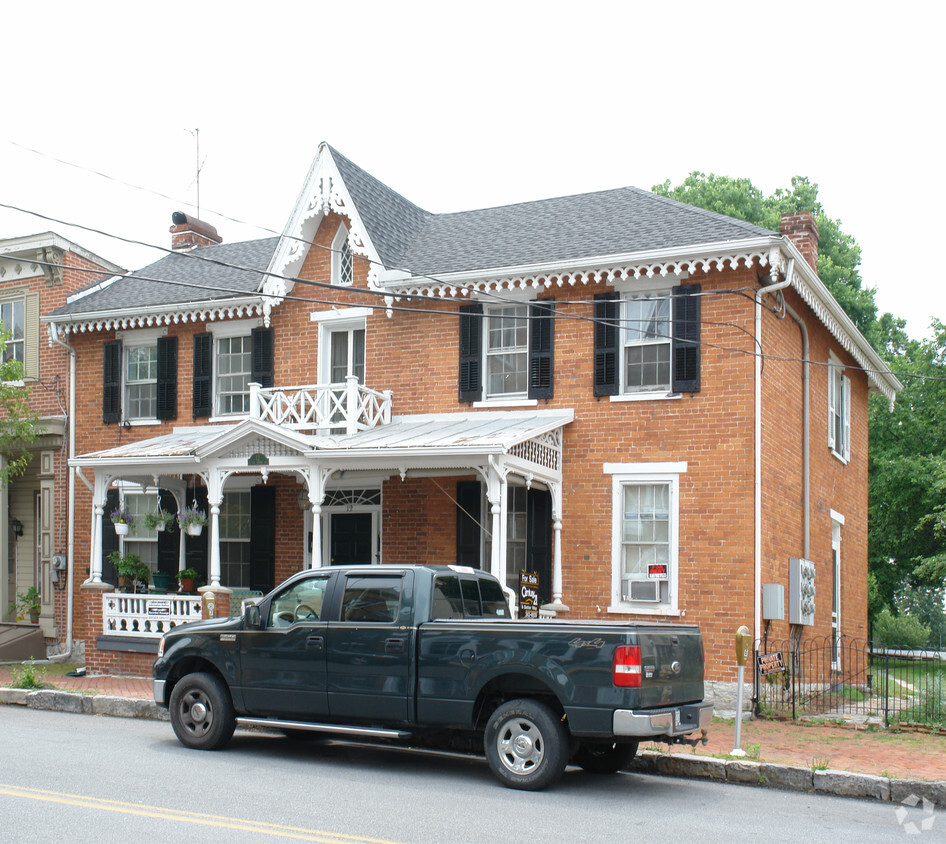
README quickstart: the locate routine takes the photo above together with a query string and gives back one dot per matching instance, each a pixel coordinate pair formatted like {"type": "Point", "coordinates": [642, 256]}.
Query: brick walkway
{"type": "Point", "coordinates": [906, 755]}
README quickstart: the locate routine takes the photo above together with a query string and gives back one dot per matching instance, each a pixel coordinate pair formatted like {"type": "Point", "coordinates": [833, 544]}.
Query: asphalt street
{"type": "Point", "coordinates": [78, 778]}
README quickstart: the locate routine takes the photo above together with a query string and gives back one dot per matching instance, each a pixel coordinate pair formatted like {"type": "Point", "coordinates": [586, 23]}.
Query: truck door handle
{"type": "Point", "coordinates": [314, 643]}
{"type": "Point", "coordinates": [394, 646]}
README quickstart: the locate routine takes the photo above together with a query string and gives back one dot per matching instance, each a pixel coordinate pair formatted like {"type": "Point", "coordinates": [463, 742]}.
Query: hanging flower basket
{"type": "Point", "coordinates": [160, 520]}
{"type": "Point", "coordinates": [122, 519]}
{"type": "Point", "coordinates": [192, 520]}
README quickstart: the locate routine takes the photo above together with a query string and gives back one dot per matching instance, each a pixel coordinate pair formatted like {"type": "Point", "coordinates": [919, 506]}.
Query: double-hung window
{"type": "Point", "coordinates": [644, 536]}
{"type": "Point", "coordinates": [141, 539]}
{"type": "Point", "coordinates": [227, 360]}
{"type": "Point", "coordinates": [647, 343]}
{"type": "Point", "coordinates": [140, 377]}
{"type": "Point", "coordinates": [13, 324]}
{"type": "Point", "coordinates": [506, 351]}
{"type": "Point", "coordinates": [839, 410]}
{"type": "Point", "coordinates": [235, 538]}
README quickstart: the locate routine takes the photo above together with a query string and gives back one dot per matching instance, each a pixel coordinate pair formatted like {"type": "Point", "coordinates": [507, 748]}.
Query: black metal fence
{"type": "Point", "coordinates": [846, 678]}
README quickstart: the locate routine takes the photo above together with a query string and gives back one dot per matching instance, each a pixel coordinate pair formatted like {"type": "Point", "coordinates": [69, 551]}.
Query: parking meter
{"type": "Point", "coordinates": [743, 647]}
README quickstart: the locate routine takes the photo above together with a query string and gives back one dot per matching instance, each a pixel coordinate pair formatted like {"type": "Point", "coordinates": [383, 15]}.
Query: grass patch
{"type": "Point", "coordinates": [820, 764]}
{"type": "Point", "coordinates": [28, 676]}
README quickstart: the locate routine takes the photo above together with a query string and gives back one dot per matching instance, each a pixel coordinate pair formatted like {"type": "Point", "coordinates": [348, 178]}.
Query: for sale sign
{"type": "Point", "coordinates": [528, 594]}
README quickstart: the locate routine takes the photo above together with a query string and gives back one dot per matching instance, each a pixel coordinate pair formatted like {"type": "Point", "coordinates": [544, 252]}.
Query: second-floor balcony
{"type": "Point", "coordinates": [343, 408]}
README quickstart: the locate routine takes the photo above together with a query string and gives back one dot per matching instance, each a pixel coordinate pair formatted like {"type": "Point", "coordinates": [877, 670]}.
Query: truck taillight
{"type": "Point", "coordinates": [626, 670]}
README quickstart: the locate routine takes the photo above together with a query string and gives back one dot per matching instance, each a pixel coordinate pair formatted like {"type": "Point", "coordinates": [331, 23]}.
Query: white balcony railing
{"type": "Point", "coordinates": [329, 408]}
{"type": "Point", "coordinates": [147, 616]}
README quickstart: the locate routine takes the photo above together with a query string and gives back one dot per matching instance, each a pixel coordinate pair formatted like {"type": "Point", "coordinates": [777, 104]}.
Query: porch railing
{"type": "Point", "coordinates": [343, 408]}
{"type": "Point", "coordinates": [147, 616]}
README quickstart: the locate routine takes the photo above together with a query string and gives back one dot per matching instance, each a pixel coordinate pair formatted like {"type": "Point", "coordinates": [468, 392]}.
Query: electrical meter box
{"type": "Point", "coordinates": [801, 591]}
{"type": "Point", "coordinates": [773, 602]}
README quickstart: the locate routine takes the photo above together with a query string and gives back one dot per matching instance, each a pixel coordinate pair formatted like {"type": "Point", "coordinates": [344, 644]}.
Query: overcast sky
{"type": "Point", "coordinates": [468, 105]}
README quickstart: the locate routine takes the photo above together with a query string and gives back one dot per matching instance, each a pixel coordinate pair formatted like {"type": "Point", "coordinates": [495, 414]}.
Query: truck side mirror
{"type": "Point", "coordinates": [251, 617]}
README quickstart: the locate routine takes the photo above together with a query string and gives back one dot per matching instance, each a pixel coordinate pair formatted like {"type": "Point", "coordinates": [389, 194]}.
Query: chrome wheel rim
{"type": "Point", "coordinates": [196, 713]}
{"type": "Point", "coordinates": [520, 746]}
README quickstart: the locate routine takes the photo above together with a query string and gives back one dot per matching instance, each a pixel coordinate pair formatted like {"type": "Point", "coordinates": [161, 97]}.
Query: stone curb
{"type": "Point", "coordinates": [788, 777]}
{"type": "Point", "coordinates": [686, 765]}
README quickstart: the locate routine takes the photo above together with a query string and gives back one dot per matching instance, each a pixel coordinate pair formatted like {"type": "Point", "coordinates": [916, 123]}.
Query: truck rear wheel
{"type": "Point", "coordinates": [202, 712]}
{"type": "Point", "coordinates": [606, 758]}
{"type": "Point", "coordinates": [526, 744]}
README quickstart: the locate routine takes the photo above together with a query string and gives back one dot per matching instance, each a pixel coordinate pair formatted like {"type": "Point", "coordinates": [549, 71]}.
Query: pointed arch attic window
{"type": "Point", "coordinates": [342, 259]}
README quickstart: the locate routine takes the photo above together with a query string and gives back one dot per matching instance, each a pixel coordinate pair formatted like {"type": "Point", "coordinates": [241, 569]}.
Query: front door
{"type": "Point", "coordinates": [351, 539]}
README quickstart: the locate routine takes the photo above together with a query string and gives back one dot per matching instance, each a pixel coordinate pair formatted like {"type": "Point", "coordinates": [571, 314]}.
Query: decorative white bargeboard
{"type": "Point", "coordinates": [147, 616]}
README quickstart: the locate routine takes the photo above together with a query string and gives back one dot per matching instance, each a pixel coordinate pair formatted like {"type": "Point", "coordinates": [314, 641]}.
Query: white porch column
{"type": "Point", "coordinates": [98, 511]}
{"type": "Point", "coordinates": [351, 404]}
{"type": "Point", "coordinates": [214, 564]}
{"type": "Point", "coordinates": [556, 605]}
{"type": "Point", "coordinates": [315, 479]}
{"type": "Point", "coordinates": [499, 528]}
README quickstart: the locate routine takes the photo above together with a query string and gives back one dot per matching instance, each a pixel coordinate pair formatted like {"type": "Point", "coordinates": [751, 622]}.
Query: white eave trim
{"type": "Point", "coordinates": [235, 308]}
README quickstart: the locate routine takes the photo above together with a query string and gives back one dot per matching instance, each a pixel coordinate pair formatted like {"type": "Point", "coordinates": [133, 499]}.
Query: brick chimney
{"type": "Point", "coordinates": [802, 229]}
{"type": "Point", "coordinates": [189, 232]}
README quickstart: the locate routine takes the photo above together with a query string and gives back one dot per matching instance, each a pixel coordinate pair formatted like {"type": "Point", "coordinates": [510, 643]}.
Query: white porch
{"type": "Point", "coordinates": [323, 433]}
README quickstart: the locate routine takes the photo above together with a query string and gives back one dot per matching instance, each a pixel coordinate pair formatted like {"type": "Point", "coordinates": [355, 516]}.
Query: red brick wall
{"type": "Point", "coordinates": [415, 356]}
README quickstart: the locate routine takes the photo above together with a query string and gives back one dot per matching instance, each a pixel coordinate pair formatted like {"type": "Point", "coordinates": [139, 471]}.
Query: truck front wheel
{"type": "Point", "coordinates": [526, 744]}
{"type": "Point", "coordinates": [596, 758]}
{"type": "Point", "coordinates": [202, 712]}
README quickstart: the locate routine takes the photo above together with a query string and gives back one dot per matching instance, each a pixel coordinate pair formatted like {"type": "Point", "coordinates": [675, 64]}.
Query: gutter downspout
{"type": "Point", "coordinates": [757, 398]}
{"type": "Point", "coordinates": [71, 529]}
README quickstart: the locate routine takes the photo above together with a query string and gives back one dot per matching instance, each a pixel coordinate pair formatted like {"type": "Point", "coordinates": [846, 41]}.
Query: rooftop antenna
{"type": "Point", "coordinates": [200, 166]}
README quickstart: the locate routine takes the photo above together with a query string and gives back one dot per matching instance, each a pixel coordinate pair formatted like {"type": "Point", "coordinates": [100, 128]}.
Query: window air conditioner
{"type": "Point", "coordinates": [642, 590]}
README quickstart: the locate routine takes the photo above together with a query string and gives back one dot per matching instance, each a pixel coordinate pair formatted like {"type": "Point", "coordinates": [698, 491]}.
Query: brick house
{"type": "Point", "coordinates": [37, 273]}
{"type": "Point", "coordinates": [653, 407]}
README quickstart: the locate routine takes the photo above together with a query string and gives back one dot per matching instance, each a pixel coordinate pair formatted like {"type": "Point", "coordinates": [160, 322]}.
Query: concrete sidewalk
{"type": "Point", "coordinates": [823, 757]}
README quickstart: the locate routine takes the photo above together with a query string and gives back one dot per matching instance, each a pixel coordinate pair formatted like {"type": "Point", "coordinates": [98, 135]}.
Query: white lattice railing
{"type": "Point", "coordinates": [147, 616]}
{"type": "Point", "coordinates": [333, 408]}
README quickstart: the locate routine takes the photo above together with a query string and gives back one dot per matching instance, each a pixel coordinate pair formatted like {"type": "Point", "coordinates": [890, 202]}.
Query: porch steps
{"type": "Point", "coordinates": [21, 641]}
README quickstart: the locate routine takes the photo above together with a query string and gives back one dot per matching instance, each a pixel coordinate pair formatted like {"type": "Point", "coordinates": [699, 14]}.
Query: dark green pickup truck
{"type": "Point", "coordinates": [430, 654]}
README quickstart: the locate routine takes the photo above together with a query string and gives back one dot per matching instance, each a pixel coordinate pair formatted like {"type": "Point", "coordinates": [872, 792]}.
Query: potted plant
{"type": "Point", "coordinates": [141, 577]}
{"type": "Point", "coordinates": [187, 578]}
{"type": "Point", "coordinates": [192, 520]}
{"type": "Point", "coordinates": [127, 567]}
{"type": "Point", "coordinates": [27, 603]}
{"type": "Point", "coordinates": [161, 580]}
{"type": "Point", "coordinates": [122, 519]}
{"type": "Point", "coordinates": [159, 520]}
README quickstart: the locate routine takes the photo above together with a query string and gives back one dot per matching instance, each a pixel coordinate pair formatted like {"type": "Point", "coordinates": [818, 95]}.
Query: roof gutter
{"type": "Point", "coordinates": [71, 504]}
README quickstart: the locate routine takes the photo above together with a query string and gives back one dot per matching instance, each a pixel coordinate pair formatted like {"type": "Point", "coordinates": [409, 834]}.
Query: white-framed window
{"type": "Point", "coordinates": [141, 381]}
{"type": "Point", "coordinates": [645, 507]}
{"type": "Point", "coordinates": [233, 368]}
{"type": "Point", "coordinates": [646, 334]}
{"type": "Point", "coordinates": [235, 538]}
{"type": "Point", "coordinates": [141, 539]}
{"type": "Point", "coordinates": [13, 322]}
{"type": "Point", "coordinates": [507, 351]}
{"type": "Point", "coordinates": [839, 410]}
{"type": "Point", "coordinates": [342, 259]}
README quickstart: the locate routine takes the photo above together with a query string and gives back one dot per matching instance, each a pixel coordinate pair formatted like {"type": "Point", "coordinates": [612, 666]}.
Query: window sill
{"type": "Point", "coordinates": [646, 609]}
{"type": "Point", "coordinates": [840, 457]}
{"type": "Point", "coordinates": [232, 417]}
{"type": "Point", "coordinates": [507, 403]}
{"type": "Point", "coordinates": [139, 422]}
{"type": "Point", "coordinates": [645, 396]}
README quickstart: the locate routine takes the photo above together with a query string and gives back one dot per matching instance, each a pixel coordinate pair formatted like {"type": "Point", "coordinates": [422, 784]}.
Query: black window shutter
{"type": "Point", "coordinates": [606, 344]}
{"type": "Point", "coordinates": [471, 353]}
{"type": "Point", "coordinates": [685, 357]}
{"type": "Point", "coordinates": [167, 378]}
{"type": "Point", "coordinates": [203, 371]}
{"type": "Point", "coordinates": [263, 363]}
{"type": "Point", "coordinates": [541, 348]}
{"type": "Point", "coordinates": [112, 382]}
{"type": "Point", "coordinates": [469, 496]}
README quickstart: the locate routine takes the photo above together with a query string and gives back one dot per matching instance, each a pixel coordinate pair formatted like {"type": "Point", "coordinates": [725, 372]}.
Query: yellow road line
{"type": "Point", "coordinates": [199, 818]}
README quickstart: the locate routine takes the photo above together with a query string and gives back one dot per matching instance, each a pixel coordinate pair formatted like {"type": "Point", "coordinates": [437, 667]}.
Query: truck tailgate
{"type": "Point", "coordinates": [671, 665]}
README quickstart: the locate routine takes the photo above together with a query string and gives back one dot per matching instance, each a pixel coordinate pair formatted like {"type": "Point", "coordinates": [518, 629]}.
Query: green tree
{"type": "Point", "coordinates": [839, 255]}
{"type": "Point", "coordinates": [907, 467]}
{"type": "Point", "coordinates": [19, 426]}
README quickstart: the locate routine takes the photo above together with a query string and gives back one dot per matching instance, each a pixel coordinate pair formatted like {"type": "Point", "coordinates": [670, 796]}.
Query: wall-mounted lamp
{"type": "Point", "coordinates": [17, 527]}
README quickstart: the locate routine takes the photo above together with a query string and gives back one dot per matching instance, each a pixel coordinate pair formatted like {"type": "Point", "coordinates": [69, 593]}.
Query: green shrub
{"type": "Point", "coordinates": [899, 631]}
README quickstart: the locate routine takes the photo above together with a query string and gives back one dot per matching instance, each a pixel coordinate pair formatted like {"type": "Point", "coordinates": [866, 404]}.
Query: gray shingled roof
{"type": "Point", "coordinates": [568, 228]}
{"type": "Point", "coordinates": [204, 274]}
